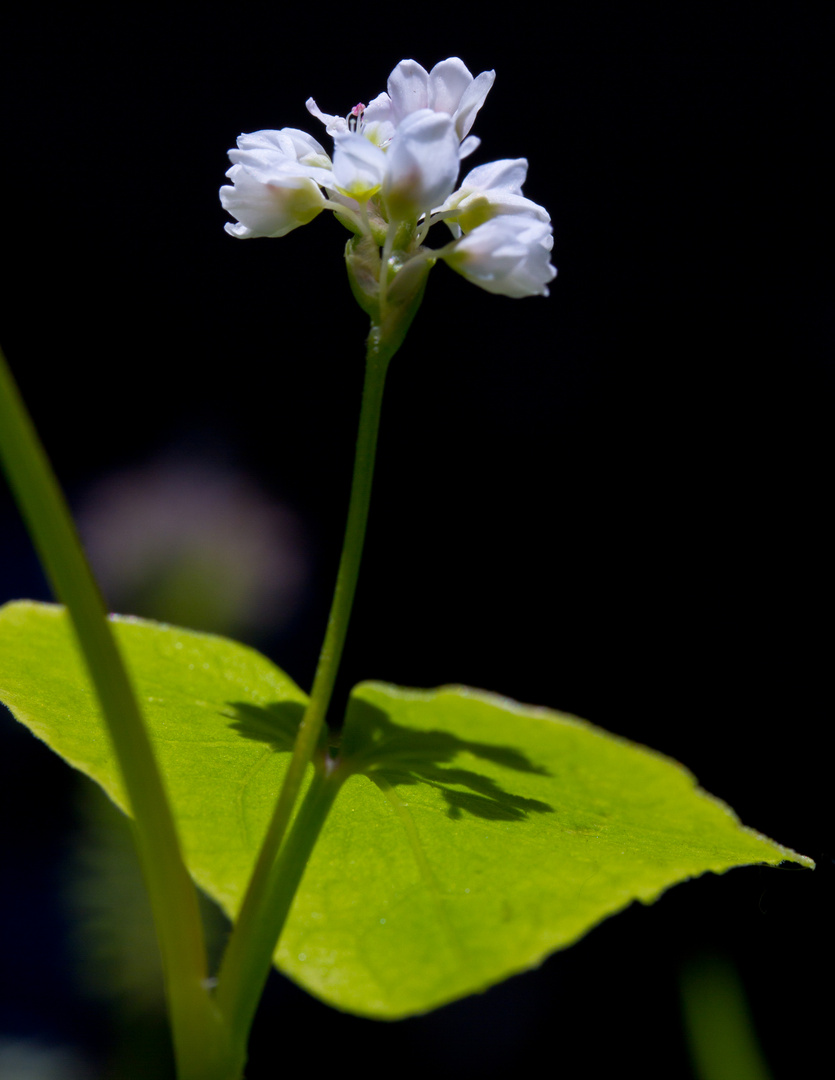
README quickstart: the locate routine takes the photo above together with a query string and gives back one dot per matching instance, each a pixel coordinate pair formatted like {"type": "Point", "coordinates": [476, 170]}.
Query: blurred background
{"type": "Point", "coordinates": [611, 501]}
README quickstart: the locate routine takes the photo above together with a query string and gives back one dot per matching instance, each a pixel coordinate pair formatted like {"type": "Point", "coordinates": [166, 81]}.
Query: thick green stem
{"type": "Point", "coordinates": [280, 888]}
{"type": "Point", "coordinates": [718, 1022]}
{"type": "Point", "coordinates": [200, 1043]}
{"type": "Point", "coordinates": [248, 955]}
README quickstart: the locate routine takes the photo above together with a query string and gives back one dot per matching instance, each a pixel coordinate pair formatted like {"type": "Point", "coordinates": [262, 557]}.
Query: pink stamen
{"type": "Point", "coordinates": [358, 110]}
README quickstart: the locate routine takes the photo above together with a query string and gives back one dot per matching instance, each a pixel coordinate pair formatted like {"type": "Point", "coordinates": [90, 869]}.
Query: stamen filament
{"type": "Point", "coordinates": [432, 219]}
{"type": "Point", "coordinates": [361, 222]}
{"type": "Point", "coordinates": [384, 269]}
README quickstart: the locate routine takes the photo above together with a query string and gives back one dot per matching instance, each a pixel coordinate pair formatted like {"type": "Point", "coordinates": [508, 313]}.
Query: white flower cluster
{"type": "Point", "coordinates": [393, 175]}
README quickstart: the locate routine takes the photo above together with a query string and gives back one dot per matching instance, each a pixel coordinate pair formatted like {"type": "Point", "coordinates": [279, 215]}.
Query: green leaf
{"type": "Point", "coordinates": [473, 835]}
{"type": "Point", "coordinates": [222, 765]}
{"type": "Point", "coordinates": [478, 836]}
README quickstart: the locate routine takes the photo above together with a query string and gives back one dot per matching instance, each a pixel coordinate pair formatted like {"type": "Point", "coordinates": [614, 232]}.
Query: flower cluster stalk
{"type": "Point", "coordinates": [248, 957]}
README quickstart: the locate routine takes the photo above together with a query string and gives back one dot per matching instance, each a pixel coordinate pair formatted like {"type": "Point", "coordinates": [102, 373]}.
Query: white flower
{"type": "Point", "coordinates": [359, 167]}
{"type": "Point", "coordinates": [508, 254]}
{"type": "Point", "coordinates": [418, 169]}
{"type": "Point", "coordinates": [273, 189]}
{"type": "Point", "coordinates": [393, 175]}
{"type": "Point", "coordinates": [489, 190]}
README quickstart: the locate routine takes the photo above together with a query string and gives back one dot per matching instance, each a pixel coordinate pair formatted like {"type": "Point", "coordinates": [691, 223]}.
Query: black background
{"type": "Point", "coordinates": [611, 501]}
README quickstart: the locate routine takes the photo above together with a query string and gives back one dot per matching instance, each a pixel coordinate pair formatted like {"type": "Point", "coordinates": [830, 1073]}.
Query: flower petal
{"type": "Point", "coordinates": [408, 87]}
{"type": "Point", "coordinates": [334, 125]}
{"type": "Point", "coordinates": [422, 164]}
{"type": "Point", "coordinates": [447, 82]}
{"type": "Point", "coordinates": [471, 101]}
{"type": "Point", "coordinates": [271, 156]}
{"type": "Point", "coordinates": [488, 191]}
{"type": "Point", "coordinates": [359, 167]}
{"type": "Point", "coordinates": [507, 174]}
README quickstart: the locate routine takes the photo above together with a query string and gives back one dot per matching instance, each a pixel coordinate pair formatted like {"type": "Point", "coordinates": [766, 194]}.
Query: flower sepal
{"type": "Point", "coordinates": [362, 259]}
{"type": "Point", "coordinates": [392, 309]}
{"type": "Point", "coordinates": [403, 299]}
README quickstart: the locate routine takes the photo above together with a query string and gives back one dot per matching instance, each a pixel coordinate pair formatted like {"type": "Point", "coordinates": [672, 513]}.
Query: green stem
{"type": "Point", "coordinates": [718, 1022]}
{"type": "Point", "coordinates": [199, 1039]}
{"type": "Point", "coordinates": [377, 361]}
{"type": "Point", "coordinates": [281, 884]}
{"type": "Point", "coordinates": [247, 959]}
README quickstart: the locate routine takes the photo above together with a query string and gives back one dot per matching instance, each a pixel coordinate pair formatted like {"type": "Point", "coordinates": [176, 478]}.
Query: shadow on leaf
{"type": "Point", "coordinates": [371, 744]}
{"type": "Point", "coordinates": [276, 724]}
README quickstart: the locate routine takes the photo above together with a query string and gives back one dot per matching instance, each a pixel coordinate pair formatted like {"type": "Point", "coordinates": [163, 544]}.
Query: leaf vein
{"type": "Point", "coordinates": [426, 872]}
{"type": "Point", "coordinates": [244, 783]}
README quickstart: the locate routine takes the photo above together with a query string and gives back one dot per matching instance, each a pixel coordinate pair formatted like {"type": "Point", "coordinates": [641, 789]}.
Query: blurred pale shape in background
{"type": "Point", "coordinates": [24, 1059]}
{"type": "Point", "coordinates": [188, 541]}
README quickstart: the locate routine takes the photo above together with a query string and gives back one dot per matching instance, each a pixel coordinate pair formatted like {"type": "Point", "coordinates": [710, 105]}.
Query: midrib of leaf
{"type": "Point", "coordinates": [241, 794]}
